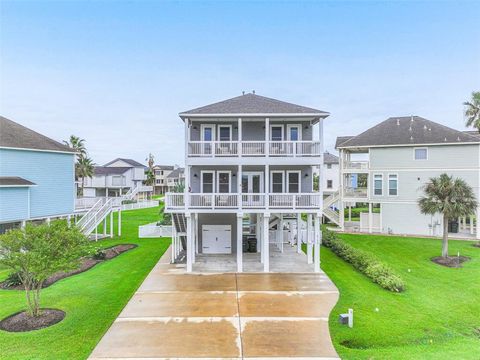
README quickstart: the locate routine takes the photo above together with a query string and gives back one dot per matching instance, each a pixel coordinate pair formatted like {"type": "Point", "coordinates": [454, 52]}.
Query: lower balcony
{"type": "Point", "coordinates": [235, 201]}
{"type": "Point", "coordinates": [356, 193]}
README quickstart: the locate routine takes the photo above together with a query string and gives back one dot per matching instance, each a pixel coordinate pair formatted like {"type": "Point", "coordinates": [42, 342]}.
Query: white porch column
{"type": "Point", "coordinates": [267, 186]}
{"type": "Point", "coordinates": [280, 231]}
{"type": "Point", "coordinates": [240, 137]}
{"type": "Point", "coordinates": [471, 224]}
{"type": "Point", "coordinates": [477, 224]}
{"type": "Point", "coordinates": [309, 239]}
{"type": "Point", "coordinates": [370, 217]}
{"type": "Point", "coordinates": [196, 233]}
{"type": "Point", "coordinates": [318, 235]}
{"type": "Point", "coordinates": [189, 242]}
{"type": "Point", "coordinates": [239, 187]}
{"type": "Point", "coordinates": [260, 235]}
{"type": "Point", "coordinates": [350, 213]}
{"type": "Point", "coordinates": [239, 242]}
{"type": "Point", "coordinates": [47, 220]}
{"type": "Point", "coordinates": [111, 225]}
{"type": "Point", "coordinates": [119, 221]}
{"type": "Point", "coordinates": [267, 137]}
{"type": "Point", "coordinates": [266, 243]}
{"type": "Point", "coordinates": [194, 237]}
{"type": "Point", "coordinates": [23, 224]}
{"type": "Point", "coordinates": [105, 227]}
{"type": "Point", "coordinates": [299, 233]}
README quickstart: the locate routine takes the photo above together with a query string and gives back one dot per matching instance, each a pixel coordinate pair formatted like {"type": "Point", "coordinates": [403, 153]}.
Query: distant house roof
{"type": "Point", "coordinates": [407, 130]}
{"type": "Point", "coordinates": [176, 173]}
{"type": "Point", "coordinates": [14, 135]}
{"type": "Point", "coordinates": [250, 104]}
{"type": "Point", "coordinates": [107, 170]}
{"type": "Point", "coordinates": [330, 158]}
{"type": "Point", "coordinates": [11, 181]}
{"type": "Point", "coordinates": [131, 162]}
{"type": "Point", "coordinates": [163, 167]}
{"type": "Point", "coordinates": [341, 140]}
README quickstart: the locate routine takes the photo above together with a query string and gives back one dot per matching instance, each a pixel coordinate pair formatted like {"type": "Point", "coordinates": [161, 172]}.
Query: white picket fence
{"type": "Point", "coordinates": [153, 230]}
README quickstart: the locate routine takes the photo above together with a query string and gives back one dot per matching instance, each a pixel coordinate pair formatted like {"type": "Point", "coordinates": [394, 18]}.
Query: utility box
{"type": "Point", "coordinates": [343, 319]}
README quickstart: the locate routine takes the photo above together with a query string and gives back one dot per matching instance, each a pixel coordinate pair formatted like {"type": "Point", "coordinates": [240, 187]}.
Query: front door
{"type": "Point", "coordinates": [207, 137]}
{"type": "Point", "coordinates": [217, 239]}
{"type": "Point", "coordinates": [252, 186]}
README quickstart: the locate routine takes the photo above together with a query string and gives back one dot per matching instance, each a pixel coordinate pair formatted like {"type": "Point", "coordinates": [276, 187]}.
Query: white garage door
{"type": "Point", "coordinates": [216, 239]}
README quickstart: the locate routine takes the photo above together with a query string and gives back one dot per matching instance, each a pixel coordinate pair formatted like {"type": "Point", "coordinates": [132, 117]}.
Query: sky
{"type": "Point", "coordinates": [117, 73]}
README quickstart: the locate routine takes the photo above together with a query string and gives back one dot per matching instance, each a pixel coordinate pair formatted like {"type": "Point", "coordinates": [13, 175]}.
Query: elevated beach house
{"type": "Point", "coordinates": [391, 162]}
{"type": "Point", "coordinates": [249, 166]}
{"type": "Point", "coordinates": [37, 179]}
{"type": "Point", "coordinates": [161, 172]}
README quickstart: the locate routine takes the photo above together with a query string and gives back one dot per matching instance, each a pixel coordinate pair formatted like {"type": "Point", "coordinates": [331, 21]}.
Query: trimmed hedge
{"type": "Point", "coordinates": [364, 262]}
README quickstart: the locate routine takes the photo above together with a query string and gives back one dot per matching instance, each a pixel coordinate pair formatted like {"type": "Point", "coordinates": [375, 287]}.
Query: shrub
{"type": "Point", "coordinates": [100, 255]}
{"type": "Point", "coordinates": [364, 262]}
{"type": "Point", "coordinates": [13, 279]}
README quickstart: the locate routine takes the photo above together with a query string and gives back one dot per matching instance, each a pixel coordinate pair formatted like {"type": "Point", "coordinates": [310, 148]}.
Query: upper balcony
{"type": "Point", "coordinates": [356, 166]}
{"type": "Point", "coordinates": [221, 149]}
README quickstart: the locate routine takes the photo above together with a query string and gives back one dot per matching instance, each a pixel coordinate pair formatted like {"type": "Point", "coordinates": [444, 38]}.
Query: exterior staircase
{"type": "Point", "coordinates": [97, 213]}
{"type": "Point", "coordinates": [331, 214]}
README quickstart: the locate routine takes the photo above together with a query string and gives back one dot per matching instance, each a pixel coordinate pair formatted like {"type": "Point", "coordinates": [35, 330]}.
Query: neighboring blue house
{"type": "Point", "coordinates": [37, 176]}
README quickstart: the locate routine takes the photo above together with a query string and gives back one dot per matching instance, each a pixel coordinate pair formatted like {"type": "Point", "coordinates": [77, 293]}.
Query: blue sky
{"type": "Point", "coordinates": [118, 73]}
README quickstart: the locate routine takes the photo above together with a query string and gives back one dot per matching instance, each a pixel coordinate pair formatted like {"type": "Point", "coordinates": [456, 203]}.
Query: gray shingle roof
{"type": "Point", "coordinates": [330, 158]}
{"type": "Point", "coordinates": [341, 140]}
{"type": "Point", "coordinates": [128, 161]}
{"type": "Point", "coordinates": [176, 173]}
{"type": "Point", "coordinates": [14, 135]}
{"type": "Point", "coordinates": [407, 130]}
{"type": "Point", "coordinates": [14, 181]}
{"type": "Point", "coordinates": [253, 104]}
{"type": "Point", "coordinates": [107, 170]}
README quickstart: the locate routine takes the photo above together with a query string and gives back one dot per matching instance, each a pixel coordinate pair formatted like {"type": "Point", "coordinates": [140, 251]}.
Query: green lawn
{"type": "Point", "coordinates": [92, 300]}
{"type": "Point", "coordinates": [437, 317]}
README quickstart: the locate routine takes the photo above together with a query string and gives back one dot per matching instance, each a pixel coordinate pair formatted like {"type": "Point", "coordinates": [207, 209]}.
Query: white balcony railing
{"type": "Point", "coordinates": [356, 165]}
{"type": "Point", "coordinates": [253, 148]}
{"type": "Point", "coordinates": [176, 201]}
{"type": "Point", "coordinates": [355, 192]}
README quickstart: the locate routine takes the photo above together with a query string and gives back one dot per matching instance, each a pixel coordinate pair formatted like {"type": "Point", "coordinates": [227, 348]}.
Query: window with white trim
{"type": "Point", "coordinates": [207, 182]}
{"type": "Point", "coordinates": [377, 184]}
{"type": "Point", "coordinates": [393, 184]}
{"type": "Point", "coordinates": [223, 182]}
{"type": "Point", "coordinates": [421, 153]}
{"type": "Point", "coordinates": [293, 181]}
{"type": "Point", "coordinates": [277, 181]}
{"type": "Point", "coordinates": [225, 132]}
{"type": "Point", "coordinates": [276, 132]}
{"type": "Point", "coordinates": [329, 184]}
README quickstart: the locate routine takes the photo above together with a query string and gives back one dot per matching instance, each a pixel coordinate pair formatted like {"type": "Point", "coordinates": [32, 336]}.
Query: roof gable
{"type": "Point", "coordinates": [14, 135]}
{"type": "Point", "coordinates": [250, 104]}
{"type": "Point", "coordinates": [122, 162]}
{"type": "Point", "coordinates": [13, 181]}
{"type": "Point", "coordinates": [404, 131]}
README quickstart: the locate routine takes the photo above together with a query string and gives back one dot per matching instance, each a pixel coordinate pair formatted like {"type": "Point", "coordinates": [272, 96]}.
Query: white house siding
{"type": "Point", "coordinates": [405, 218]}
{"type": "Point", "coordinates": [332, 174]}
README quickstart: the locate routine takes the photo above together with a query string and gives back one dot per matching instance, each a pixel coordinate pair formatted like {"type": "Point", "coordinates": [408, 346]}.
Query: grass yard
{"type": "Point", "coordinates": [437, 317]}
{"type": "Point", "coordinates": [92, 300]}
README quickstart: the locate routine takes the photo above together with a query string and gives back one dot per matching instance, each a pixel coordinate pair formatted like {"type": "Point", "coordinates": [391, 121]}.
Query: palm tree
{"type": "Point", "coordinates": [150, 177]}
{"type": "Point", "coordinates": [85, 168]}
{"type": "Point", "coordinates": [450, 197]}
{"type": "Point", "coordinates": [78, 145]}
{"type": "Point", "coordinates": [472, 110]}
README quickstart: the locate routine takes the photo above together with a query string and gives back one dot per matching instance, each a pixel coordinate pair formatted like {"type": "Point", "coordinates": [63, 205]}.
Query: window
{"type": "Point", "coordinates": [392, 184]}
{"type": "Point", "coordinates": [329, 184]}
{"type": "Point", "coordinates": [421, 153]}
{"type": "Point", "coordinates": [329, 166]}
{"type": "Point", "coordinates": [378, 184]}
{"type": "Point", "coordinates": [293, 181]}
{"type": "Point", "coordinates": [225, 132]}
{"type": "Point", "coordinates": [223, 181]}
{"type": "Point", "coordinates": [207, 182]}
{"type": "Point", "coordinates": [276, 133]}
{"type": "Point", "coordinates": [277, 181]}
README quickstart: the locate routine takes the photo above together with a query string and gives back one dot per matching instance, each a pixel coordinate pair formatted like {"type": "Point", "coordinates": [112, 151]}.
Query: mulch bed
{"type": "Point", "coordinates": [21, 321]}
{"type": "Point", "coordinates": [85, 265]}
{"type": "Point", "coordinates": [451, 261]}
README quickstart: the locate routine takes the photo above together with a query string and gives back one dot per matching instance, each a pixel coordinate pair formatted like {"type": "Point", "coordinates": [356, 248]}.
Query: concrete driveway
{"type": "Point", "coordinates": [178, 315]}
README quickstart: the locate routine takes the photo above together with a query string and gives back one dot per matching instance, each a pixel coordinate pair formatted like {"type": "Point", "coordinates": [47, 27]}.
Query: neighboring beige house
{"type": "Point", "coordinates": [176, 177]}
{"type": "Point", "coordinates": [161, 173]}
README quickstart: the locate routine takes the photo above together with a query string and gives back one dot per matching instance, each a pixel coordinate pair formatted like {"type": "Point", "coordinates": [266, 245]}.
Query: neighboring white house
{"type": "Point", "coordinates": [161, 173]}
{"type": "Point", "coordinates": [177, 176]}
{"type": "Point", "coordinates": [114, 178]}
{"type": "Point", "coordinates": [331, 173]}
{"type": "Point", "coordinates": [249, 164]}
{"type": "Point", "coordinates": [402, 154]}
